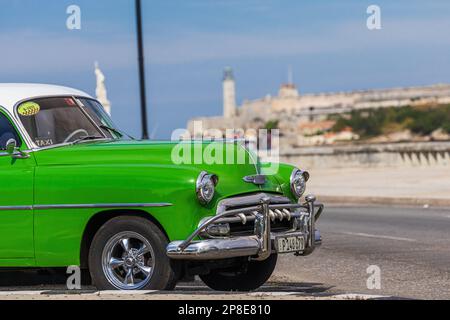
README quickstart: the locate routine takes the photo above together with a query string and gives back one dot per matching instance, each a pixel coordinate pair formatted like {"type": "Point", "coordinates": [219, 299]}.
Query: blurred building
{"type": "Point", "coordinates": [229, 94]}
{"type": "Point", "coordinates": [293, 111]}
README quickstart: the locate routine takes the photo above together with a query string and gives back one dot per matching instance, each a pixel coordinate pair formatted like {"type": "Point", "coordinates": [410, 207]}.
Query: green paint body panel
{"type": "Point", "coordinates": [108, 173]}
{"type": "Point", "coordinates": [16, 227]}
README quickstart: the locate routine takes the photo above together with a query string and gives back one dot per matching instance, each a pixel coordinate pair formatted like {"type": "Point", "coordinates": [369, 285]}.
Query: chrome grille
{"type": "Point", "coordinates": [243, 223]}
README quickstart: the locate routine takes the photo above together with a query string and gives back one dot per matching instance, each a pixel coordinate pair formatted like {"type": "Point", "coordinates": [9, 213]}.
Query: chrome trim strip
{"type": "Point", "coordinates": [101, 206]}
{"type": "Point", "coordinates": [15, 208]}
{"type": "Point", "coordinates": [6, 154]}
{"type": "Point", "coordinates": [250, 200]}
{"type": "Point", "coordinates": [86, 206]}
{"type": "Point", "coordinates": [60, 145]}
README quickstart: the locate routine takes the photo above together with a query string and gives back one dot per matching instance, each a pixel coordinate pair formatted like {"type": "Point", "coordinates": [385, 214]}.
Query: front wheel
{"type": "Point", "coordinates": [251, 278]}
{"type": "Point", "coordinates": [128, 253]}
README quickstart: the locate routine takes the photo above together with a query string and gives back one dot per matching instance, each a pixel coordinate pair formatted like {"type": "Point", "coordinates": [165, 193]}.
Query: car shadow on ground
{"type": "Point", "coordinates": [293, 288]}
{"type": "Point", "coordinates": [43, 279]}
{"type": "Point", "coordinates": [300, 287]}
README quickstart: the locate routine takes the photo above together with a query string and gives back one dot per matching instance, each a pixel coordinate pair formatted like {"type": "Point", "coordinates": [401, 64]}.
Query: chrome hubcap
{"type": "Point", "coordinates": [128, 261]}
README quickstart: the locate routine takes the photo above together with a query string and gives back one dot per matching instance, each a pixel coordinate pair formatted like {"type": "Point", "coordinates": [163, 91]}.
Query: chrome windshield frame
{"type": "Point", "coordinates": [31, 146]}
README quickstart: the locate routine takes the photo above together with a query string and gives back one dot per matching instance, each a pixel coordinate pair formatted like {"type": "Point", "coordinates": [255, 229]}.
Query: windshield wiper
{"type": "Point", "coordinates": [86, 138]}
{"type": "Point", "coordinates": [116, 131]}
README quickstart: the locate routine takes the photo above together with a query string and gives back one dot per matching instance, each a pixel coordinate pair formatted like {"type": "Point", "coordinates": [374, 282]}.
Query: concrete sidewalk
{"type": "Point", "coordinates": [400, 186]}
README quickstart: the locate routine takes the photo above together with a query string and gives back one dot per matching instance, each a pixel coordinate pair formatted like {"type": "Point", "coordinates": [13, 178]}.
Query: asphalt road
{"type": "Point", "coordinates": [411, 247]}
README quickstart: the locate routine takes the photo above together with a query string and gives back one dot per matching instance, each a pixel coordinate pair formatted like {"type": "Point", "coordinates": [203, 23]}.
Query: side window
{"type": "Point", "coordinates": [7, 132]}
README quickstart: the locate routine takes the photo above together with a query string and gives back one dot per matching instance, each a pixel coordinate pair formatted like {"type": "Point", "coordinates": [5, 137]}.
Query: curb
{"type": "Point", "coordinates": [351, 200]}
{"type": "Point", "coordinates": [155, 295]}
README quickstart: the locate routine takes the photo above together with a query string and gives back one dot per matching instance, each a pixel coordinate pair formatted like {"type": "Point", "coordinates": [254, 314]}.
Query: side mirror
{"type": "Point", "coordinates": [11, 149]}
{"type": "Point", "coordinates": [11, 146]}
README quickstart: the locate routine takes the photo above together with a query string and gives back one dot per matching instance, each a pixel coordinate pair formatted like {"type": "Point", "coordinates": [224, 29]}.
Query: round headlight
{"type": "Point", "coordinates": [205, 187]}
{"type": "Point", "coordinates": [298, 182]}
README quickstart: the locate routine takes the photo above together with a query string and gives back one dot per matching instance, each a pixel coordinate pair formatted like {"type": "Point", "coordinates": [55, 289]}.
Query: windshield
{"type": "Point", "coordinates": [57, 120]}
{"type": "Point", "coordinates": [96, 112]}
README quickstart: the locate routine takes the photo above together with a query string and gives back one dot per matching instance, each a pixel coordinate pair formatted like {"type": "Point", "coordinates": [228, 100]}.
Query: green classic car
{"type": "Point", "coordinates": [75, 190]}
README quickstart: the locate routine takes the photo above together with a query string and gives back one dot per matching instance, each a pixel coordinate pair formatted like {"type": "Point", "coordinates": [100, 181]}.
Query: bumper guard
{"type": "Point", "coordinates": [259, 246]}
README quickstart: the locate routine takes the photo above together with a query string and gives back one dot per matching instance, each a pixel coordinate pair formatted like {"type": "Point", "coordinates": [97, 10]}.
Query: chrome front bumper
{"type": "Point", "coordinates": [260, 245]}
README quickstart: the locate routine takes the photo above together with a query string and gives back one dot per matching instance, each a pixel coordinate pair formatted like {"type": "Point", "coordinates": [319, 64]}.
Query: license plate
{"type": "Point", "coordinates": [290, 244]}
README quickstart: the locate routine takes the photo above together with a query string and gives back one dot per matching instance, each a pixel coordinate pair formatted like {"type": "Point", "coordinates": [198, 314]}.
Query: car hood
{"type": "Point", "coordinates": [228, 160]}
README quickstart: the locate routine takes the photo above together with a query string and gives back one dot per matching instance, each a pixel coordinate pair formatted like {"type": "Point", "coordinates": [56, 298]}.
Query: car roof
{"type": "Point", "coordinates": [11, 93]}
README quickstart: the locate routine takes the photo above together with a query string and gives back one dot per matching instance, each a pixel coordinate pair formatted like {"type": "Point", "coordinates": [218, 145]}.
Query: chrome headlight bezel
{"type": "Point", "coordinates": [298, 182]}
{"type": "Point", "coordinates": [205, 187]}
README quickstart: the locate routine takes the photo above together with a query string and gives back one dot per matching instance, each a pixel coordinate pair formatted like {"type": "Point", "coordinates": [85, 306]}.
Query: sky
{"type": "Point", "coordinates": [189, 42]}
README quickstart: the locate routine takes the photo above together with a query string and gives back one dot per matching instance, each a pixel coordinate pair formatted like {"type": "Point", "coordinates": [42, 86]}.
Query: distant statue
{"type": "Point", "coordinates": [100, 91]}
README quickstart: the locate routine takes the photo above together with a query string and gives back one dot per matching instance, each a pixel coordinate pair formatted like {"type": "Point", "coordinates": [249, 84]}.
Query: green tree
{"type": "Point", "coordinates": [371, 123]}
{"type": "Point", "coordinates": [271, 125]}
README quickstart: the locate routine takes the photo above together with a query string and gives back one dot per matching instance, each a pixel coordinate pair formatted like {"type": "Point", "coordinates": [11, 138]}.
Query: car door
{"type": "Point", "coordinates": [16, 200]}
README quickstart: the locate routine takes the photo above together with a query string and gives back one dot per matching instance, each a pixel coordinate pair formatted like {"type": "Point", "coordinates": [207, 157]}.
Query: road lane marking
{"type": "Point", "coordinates": [367, 235]}
{"type": "Point", "coordinates": [356, 296]}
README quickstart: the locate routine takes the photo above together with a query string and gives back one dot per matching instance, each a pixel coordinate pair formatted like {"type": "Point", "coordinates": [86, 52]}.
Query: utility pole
{"type": "Point", "coordinates": [140, 45]}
